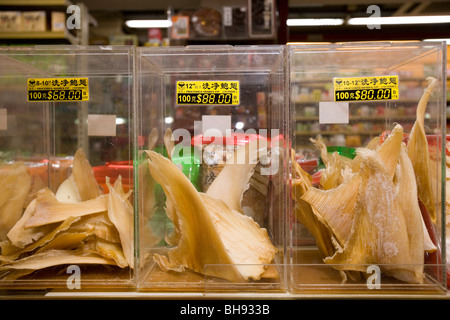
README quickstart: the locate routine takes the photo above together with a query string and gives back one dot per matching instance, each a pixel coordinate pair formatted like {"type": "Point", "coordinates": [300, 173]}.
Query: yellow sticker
{"type": "Point", "coordinates": [373, 88]}
{"type": "Point", "coordinates": [208, 92]}
{"type": "Point", "coordinates": [57, 89]}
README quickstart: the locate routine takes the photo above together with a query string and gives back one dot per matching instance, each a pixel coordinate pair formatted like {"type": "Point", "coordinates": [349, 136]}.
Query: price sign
{"type": "Point", "coordinates": [57, 89]}
{"type": "Point", "coordinates": [376, 88]}
{"type": "Point", "coordinates": [208, 92]}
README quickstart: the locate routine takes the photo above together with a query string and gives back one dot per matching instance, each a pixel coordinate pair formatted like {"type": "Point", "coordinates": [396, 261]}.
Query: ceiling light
{"type": "Point", "coordinates": [168, 120]}
{"type": "Point", "coordinates": [121, 121]}
{"type": "Point", "coordinates": [399, 20]}
{"type": "Point", "coordinates": [148, 24]}
{"type": "Point", "coordinates": [239, 125]}
{"type": "Point", "coordinates": [314, 22]}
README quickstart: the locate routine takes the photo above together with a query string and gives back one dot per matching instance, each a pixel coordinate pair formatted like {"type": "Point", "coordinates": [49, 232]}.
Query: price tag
{"type": "Point", "coordinates": [208, 92]}
{"type": "Point", "coordinates": [374, 88]}
{"type": "Point", "coordinates": [57, 89]}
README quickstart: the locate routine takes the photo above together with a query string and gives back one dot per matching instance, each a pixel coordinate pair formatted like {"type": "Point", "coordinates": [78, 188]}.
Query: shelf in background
{"type": "Point", "coordinates": [357, 118]}
{"type": "Point", "coordinates": [327, 133]}
{"type": "Point", "coordinates": [33, 35]}
{"type": "Point", "coordinates": [34, 2]}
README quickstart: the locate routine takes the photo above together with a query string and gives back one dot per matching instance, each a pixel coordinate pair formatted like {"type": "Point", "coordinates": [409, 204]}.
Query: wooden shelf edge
{"type": "Point", "coordinates": [33, 3]}
{"type": "Point", "coordinates": [33, 35]}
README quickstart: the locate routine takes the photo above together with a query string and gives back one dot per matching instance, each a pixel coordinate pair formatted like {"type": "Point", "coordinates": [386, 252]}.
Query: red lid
{"type": "Point", "coordinates": [113, 170]}
{"type": "Point", "coordinates": [235, 138]}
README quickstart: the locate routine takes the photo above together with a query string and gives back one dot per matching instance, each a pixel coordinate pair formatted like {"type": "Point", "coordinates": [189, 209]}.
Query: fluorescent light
{"type": "Point", "coordinates": [314, 22]}
{"type": "Point", "coordinates": [399, 20]}
{"type": "Point", "coordinates": [148, 23]}
{"type": "Point", "coordinates": [168, 120]}
{"type": "Point", "coordinates": [239, 125]}
{"type": "Point", "coordinates": [121, 121]}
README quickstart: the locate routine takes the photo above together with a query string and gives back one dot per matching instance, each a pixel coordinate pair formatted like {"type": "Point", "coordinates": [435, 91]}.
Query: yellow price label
{"type": "Point", "coordinates": [208, 92]}
{"type": "Point", "coordinates": [373, 88]}
{"type": "Point", "coordinates": [57, 89]}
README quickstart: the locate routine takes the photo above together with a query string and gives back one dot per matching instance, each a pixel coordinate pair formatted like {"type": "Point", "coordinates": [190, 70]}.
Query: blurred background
{"type": "Point", "coordinates": [234, 22]}
{"type": "Point", "coordinates": [219, 21]}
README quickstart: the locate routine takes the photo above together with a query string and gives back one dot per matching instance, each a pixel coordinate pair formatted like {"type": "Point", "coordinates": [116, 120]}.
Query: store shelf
{"type": "Point", "coordinates": [76, 37]}
{"type": "Point", "coordinates": [136, 295]}
{"type": "Point", "coordinates": [34, 2]}
{"type": "Point", "coordinates": [355, 118]}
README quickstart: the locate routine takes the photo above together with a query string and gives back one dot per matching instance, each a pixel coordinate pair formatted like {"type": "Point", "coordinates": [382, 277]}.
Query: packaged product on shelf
{"type": "Point", "coordinates": [66, 205]}
{"type": "Point", "coordinates": [58, 21]}
{"type": "Point", "coordinates": [211, 179]}
{"type": "Point", "coordinates": [33, 21]}
{"type": "Point", "coordinates": [234, 22]}
{"type": "Point", "coordinates": [10, 21]}
{"type": "Point", "coordinates": [376, 213]}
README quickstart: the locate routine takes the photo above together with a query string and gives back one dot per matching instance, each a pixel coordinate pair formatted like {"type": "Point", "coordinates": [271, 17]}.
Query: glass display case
{"type": "Point", "coordinates": [367, 122]}
{"type": "Point", "coordinates": [66, 170]}
{"type": "Point", "coordinates": [211, 168]}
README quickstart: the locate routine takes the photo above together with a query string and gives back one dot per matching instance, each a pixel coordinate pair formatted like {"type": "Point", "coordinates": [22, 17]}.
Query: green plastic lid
{"type": "Point", "coordinates": [343, 151]}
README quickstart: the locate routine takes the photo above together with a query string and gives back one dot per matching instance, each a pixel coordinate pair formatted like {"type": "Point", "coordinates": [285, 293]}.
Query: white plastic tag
{"type": "Point", "coordinates": [101, 125]}
{"type": "Point", "coordinates": [213, 126]}
{"type": "Point", "coordinates": [333, 112]}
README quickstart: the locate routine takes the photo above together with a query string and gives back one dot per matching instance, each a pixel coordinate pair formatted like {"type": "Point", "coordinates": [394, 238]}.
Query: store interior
{"type": "Point", "coordinates": [285, 57]}
{"type": "Point", "coordinates": [108, 21]}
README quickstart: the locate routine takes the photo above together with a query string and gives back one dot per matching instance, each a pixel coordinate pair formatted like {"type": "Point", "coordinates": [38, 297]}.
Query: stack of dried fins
{"type": "Point", "coordinates": [77, 225]}
{"type": "Point", "coordinates": [366, 210]}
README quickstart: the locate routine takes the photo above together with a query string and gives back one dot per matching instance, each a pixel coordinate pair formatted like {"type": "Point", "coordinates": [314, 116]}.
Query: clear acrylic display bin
{"type": "Point", "coordinates": [66, 170]}
{"type": "Point", "coordinates": [211, 168]}
{"type": "Point", "coordinates": [367, 209]}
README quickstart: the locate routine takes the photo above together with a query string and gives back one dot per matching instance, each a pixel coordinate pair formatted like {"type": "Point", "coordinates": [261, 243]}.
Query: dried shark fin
{"type": "Point", "coordinates": [65, 229]}
{"type": "Point", "coordinates": [211, 232]}
{"type": "Point", "coordinates": [194, 249]}
{"type": "Point", "coordinates": [21, 236]}
{"type": "Point", "coordinates": [418, 151]}
{"type": "Point", "coordinates": [370, 241]}
{"type": "Point", "coordinates": [419, 238]}
{"type": "Point", "coordinates": [305, 215]}
{"type": "Point", "coordinates": [409, 203]}
{"type": "Point", "coordinates": [248, 245]}
{"type": "Point", "coordinates": [120, 212]}
{"type": "Point", "coordinates": [99, 224]}
{"type": "Point", "coordinates": [49, 210]}
{"type": "Point", "coordinates": [373, 144]}
{"type": "Point", "coordinates": [299, 173]}
{"type": "Point", "coordinates": [84, 178]}
{"type": "Point", "coordinates": [301, 182]}
{"type": "Point", "coordinates": [331, 176]}
{"type": "Point", "coordinates": [68, 191]}
{"type": "Point", "coordinates": [43, 241]}
{"type": "Point", "coordinates": [109, 250]}
{"type": "Point", "coordinates": [233, 180]}
{"type": "Point", "coordinates": [50, 258]}
{"type": "Point", "coordinates": [16, 184]}
{"type": "Point", "coordinates": [389, 150]}
{"type": "Point", "coordinates": [380, 234]}
{"type": "Point", "coordinates": [335, 208]}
